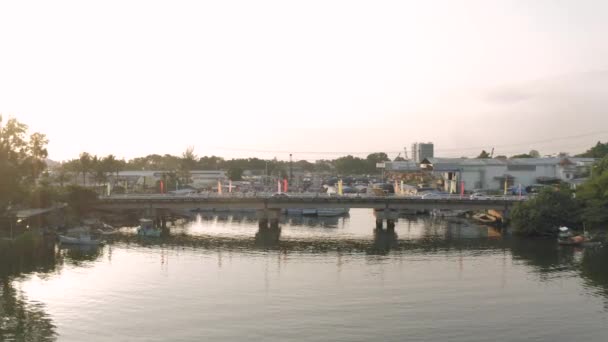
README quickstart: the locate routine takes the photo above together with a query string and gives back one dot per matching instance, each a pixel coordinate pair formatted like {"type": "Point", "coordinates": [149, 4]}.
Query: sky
{"type": "Point", "coordinates": [317, 79]}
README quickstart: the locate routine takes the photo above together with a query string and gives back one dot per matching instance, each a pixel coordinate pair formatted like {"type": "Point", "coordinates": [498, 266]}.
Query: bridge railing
{"type": "Point", "coordinates": [269, 195]}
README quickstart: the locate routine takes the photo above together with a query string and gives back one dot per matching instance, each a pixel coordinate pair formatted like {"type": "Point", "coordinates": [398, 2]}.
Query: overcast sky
{"type": "Point", "coordinates": [314, 78]}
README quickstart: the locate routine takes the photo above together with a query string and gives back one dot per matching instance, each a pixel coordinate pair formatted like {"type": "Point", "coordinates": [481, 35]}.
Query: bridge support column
{"type": "Point", "coordinates": [269, 230]}
{"type": "Point", "coordinates": [390, 225]}
{"type": "Point", "coordinates": [388, 215]}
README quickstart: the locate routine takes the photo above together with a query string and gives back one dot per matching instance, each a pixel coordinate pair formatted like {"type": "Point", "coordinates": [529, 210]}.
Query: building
{"type": "Point", "coordinates": [495, 174]}
{"type": "Point", "coordinates": [421, 151]}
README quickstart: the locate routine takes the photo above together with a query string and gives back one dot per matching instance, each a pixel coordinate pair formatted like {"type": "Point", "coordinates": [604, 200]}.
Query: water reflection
{"type": "Point", "coordinates": [21, 319]}
{"type": "Point", "coordinates": [384, 241]}
{"type": "Point", "coordinates": [455, 241]}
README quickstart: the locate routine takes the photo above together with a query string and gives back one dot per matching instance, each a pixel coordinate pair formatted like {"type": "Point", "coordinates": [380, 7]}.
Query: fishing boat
{"type": "Point", "coordinates": [82, 239]}
{"type": "Point", "coordinates": [146, 228]}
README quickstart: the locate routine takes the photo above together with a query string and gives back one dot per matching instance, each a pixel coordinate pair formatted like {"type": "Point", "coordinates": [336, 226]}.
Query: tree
{"type": "Point", "coordinates": [598, 151]}
{"type": "Point", "coordinates": [399, 158]}
{"type": "Point", "coordinates": [523, 155]}
{"type": "Point", "coordinates": [483, 155]}
{"type": "Point", "coordinates": [235, 173]}
{"type": "Point", "coordinates": [350, 165]}
{"type": "Point", "coordinates": [375, 158]}
{"type": "Point", "coordinates": [534, 154]}
{"type": "Point", "coordinates": [21, 161]}
{"type": "Point", "coordinates": [593, 195]}
{"type": "Point", "coordinates": [542, 214]}
{"type": "Point", "coordinates": [62, 174]}
{"type": "Point", "coordinates": [187, 163]}
{"type": "Point", "coordinates": [84, 165]}
{"type": "Point", "coordinates": [501, 157]}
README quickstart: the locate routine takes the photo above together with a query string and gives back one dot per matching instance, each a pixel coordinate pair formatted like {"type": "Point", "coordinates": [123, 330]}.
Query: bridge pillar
{"type": "Point", "coordinates": [390, 225]}
{"type": "Point", "coordinates": [269, 230]}
{"type": "Point", "coordinates": [378, 223]}
{"type": "Point", "coordinates": [388, 215]}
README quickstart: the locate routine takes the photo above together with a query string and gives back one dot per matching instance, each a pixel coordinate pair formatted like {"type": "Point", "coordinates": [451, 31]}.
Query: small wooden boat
{"type": "Point", "coordinates": [83, 239]}
{"type": "Point", "coordinates": [484, 218]}
{"type": "Point", "coordinates": [566, 238]}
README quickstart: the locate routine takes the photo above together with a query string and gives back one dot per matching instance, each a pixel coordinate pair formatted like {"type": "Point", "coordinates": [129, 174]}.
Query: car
{"type": "Point", "coordinates": [433, 195]}
{"type": "Point", "coordinates": [479, 196]}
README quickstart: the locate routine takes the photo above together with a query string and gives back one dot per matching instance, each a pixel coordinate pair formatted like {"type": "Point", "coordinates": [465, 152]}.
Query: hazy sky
{"type": "Point", "coordinates": [237, 77]}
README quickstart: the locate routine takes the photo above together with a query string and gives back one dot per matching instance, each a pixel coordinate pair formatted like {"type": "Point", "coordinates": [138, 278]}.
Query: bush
{"type": "Point", "coordinates": [541, 215]}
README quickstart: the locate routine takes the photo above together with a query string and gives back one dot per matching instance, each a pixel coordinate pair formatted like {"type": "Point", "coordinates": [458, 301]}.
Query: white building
{"type": "Point", "coordinates": [491, 174]}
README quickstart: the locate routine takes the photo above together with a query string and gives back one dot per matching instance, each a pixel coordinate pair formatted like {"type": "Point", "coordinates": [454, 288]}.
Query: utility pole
{"type": "Point", "coordinates": [290, 171]}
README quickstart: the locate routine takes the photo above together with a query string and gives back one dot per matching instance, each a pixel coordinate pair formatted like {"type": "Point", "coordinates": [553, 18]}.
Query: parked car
{"type": "Point", "coordinates": [479, 196]}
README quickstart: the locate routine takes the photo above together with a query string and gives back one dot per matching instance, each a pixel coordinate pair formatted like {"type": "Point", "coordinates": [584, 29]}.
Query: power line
{"type": "Point", "coordinates": [455, 149]}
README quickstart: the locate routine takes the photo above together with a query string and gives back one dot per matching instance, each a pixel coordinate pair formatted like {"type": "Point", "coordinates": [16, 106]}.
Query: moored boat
{"type": "Point", "coordinates": [332, 211]}
{"type": "Point", "coordinates": [309, 211]}
{"type": "Point", "coordinates": [82, 239]}
{"type": "Point", "coordinates": [484, 218]}
{"type": "Point", "coordinates": [566, 238]}
{"type": "Point", "coordinates": [146, 228]}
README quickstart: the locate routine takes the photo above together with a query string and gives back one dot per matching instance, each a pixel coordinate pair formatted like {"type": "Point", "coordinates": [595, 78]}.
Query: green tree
{"type": "Point", "coordinates": [21, 161]}
{"type": "Point", "coordinates": [84, 166]}
{"type": "Point", "coordinates": [235, 173]}
{"type": "Point", "coordinates": [598, 151]}
{"type": "Point", "coordinates": [593, 195]}
{"type": "Point", "coordinates": [188, 162]}
{"type": "Point", "coordinates": [542, 214]}
{"type": "Point", "coordinates": [350, 165]}
{"type": "Point", "coordinates": [483, 155]}
{"type": "Point", "coordinates": [374, 158]}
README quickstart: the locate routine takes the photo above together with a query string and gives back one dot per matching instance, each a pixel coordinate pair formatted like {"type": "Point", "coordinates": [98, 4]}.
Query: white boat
{"type": "Point", "coordinates": [82, 239]}
{"type": "Point", "coordinates": [146, 228]}
{"type": "Point", "coordinates": [332, 211]}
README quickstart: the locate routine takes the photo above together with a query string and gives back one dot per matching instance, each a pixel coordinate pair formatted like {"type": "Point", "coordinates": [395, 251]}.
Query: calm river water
{"type": "Point", "coordinates": [326, 280]}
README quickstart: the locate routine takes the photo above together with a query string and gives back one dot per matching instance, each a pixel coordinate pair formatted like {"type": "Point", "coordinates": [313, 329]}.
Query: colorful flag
{"type": "Point", "coordinates": [219, 187]}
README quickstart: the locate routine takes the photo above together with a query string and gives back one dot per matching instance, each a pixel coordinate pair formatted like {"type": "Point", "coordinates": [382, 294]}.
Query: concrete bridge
{"type": "Point", "coordinates": [269, 206]}
{"type": "Point", "coordinates": [297, 201]}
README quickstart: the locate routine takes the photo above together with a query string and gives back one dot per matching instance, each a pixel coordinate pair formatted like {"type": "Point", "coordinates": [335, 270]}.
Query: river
{"type": "Point", "coordinates": [334, 279]}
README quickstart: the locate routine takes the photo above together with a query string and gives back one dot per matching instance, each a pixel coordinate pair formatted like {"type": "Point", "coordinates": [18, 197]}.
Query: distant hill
{"type": "Point", "coordinates": [51, 164]}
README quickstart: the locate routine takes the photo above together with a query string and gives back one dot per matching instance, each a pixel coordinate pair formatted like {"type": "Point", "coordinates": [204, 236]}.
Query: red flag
{"type": "Point", "coordinates": [162, 187]}
{"type": "Point", "coordinates": [461, 188]}
{"type": "Point", "coordinates": [285, 185]}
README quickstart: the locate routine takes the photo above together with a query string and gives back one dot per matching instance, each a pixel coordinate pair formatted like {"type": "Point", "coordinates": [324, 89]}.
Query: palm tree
{"type": "Point", "coordinates": [85, 162]}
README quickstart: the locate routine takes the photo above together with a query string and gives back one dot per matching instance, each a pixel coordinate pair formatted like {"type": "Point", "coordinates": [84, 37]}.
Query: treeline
{"type": "Point", "coordinates": [100, 168]}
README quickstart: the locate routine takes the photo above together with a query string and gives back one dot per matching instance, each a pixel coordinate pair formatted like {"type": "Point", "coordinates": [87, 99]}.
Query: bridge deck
{"type": "Point", "coordinates": [267, 201]}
